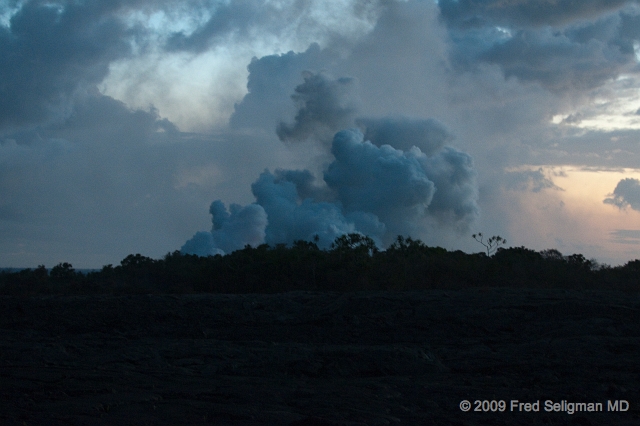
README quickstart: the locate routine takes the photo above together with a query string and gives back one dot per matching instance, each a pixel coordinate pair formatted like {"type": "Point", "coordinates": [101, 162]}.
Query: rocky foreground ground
{"type": "Point", "coordinates": [303, 358]}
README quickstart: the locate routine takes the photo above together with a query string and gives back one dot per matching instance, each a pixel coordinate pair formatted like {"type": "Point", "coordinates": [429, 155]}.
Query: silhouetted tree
{"type": "Point", "coordinates": [354, 243]}
{"type": "Point", "coordinates": [492, 244]}
{"type": "Point", "coordinates": [62, 273]}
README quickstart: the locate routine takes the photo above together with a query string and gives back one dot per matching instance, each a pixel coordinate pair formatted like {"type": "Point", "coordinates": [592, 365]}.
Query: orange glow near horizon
{"type": "Point", "coordinates": [574, 217]}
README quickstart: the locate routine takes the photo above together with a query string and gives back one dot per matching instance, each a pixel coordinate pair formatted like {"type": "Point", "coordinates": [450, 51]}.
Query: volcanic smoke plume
{"type": "Point", "coordinates": [389, 176]}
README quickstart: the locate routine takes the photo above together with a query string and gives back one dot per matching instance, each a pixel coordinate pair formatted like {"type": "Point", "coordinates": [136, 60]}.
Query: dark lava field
{"type": "Point", "coordinates": [313, 358]}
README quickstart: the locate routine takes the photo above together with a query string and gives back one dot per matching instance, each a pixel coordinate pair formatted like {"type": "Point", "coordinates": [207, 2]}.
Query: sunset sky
{"type": "Point", "coordinates": [128, 126]}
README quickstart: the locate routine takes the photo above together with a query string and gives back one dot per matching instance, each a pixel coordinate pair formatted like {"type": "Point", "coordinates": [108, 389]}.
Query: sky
{"type": "Point", "coordinates": [204, 125]}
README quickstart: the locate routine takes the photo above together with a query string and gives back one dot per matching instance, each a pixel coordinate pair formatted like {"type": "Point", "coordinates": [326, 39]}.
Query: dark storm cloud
{"type": "Point", "coordinates": [626, 194]}
{"type": "Point", "coordinates": [324, 105]}
{"type": "Point", "coordinates": [556, 61]}
{"type": "Point", "coordinates": [474, 13]}
{"type": "Point", "coordinates": [520, 37]}
{"type": "Point", "coordinates": [51, 50]}
{"type": "Point", "coordinates": [271, 80]}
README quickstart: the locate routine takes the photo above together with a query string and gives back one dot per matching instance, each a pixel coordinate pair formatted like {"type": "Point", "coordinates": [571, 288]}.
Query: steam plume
{"type": "Point", "coordinates": [398, 177]}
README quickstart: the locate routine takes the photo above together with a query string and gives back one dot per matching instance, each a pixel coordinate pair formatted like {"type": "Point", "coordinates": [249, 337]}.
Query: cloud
{"type": "Point", "coordinates": [456, 199]}
{"type": "Point", "coordinates": [191, 60]}
{"type": "Point", "coordinates": [626, 236]}
{"type": "Point", "coordinates": [235, 17]}
{"type": "Point", "coordinates": [556, 61]}
{"type": "Point", "coordinates": [379, 191]}
{"type": "Point", "coordinates": [473, 13]}
{"type": "Point", "coordinates": [50, 51]}
{"type": "Point", "coordinates": [271, 80]}
{"type": "Point", "coordinates": [294, 218]}
{"type": "Point", "coordinates": [395, 175]}
{"type": "Point", "coordinates": [529, 180]}
{"type": "Point", "coordinates": [108, 181]}
{"type": "Point", "coordinates": [525, 40]}
{"type": "Point", "coordinates": [389, 183]}
{"type": "Point", "coordinates": [241, 21]}
{"type": "Point", "coordinates": [325, 105]}
{"type": "Point", "coordinates": [305, 184]}
{"type": "Point", "coordinates": [626, 194]}
{"type": "Point", "coordinates": [87, 178]}
{"type": "Point", "coordinates": [402, 188]}
{"type": "Point", "coordinates": [403, 133]}
{"type": "Point", "coordinates": [284, 217]}
{"type": "Point", "coordinates": [232, 230]}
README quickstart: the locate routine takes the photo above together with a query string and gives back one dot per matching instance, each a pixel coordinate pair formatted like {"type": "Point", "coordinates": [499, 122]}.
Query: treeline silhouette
{"type": "Point", "coordinates": [353, 263]}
